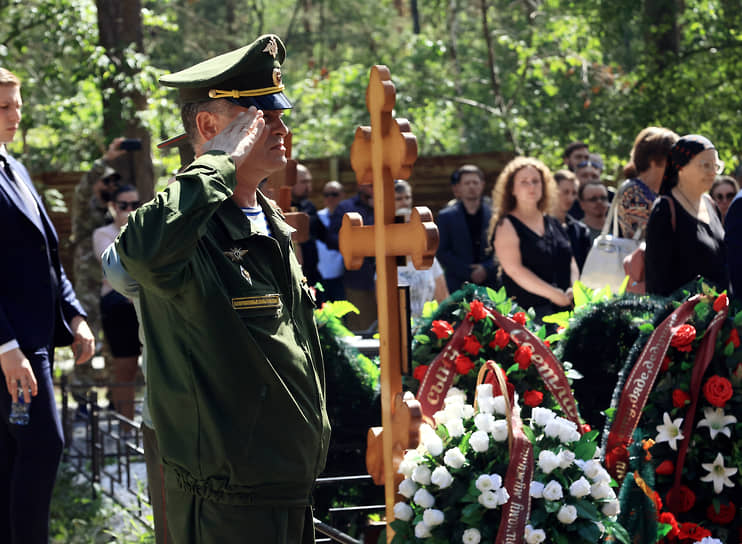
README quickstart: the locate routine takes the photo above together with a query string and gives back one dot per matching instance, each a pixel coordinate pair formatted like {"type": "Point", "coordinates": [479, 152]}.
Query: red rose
{"type": "Point", "coordinates": [693, 531]}
{"type": "Point", "coordinates": [721, 302]}
{"type": "Point", "coordinates": [523, 357]}
{"type": "Point", "coordinates": [734, 338]}
{"type": "Point", "coordinates": [419, 372]}
{"type": "Point", "coordinates": [442, 329]}
{"type": "Point", "coordinates": [501, 339]}
{"type": "Point", "coordinates": [717, 391]}
{"type": "Point", "coordinates": [463, 364]}
{"type": "Point", "coordinates": [520, 317]}
{"type": "Point", "coordinates": [585, 428]}
{"type": "Point", "coordinates": [472, 345]}
{"type": "Point", "coordinates": [683, 337]}
{"type": "Point", "coordinates": [477, 310]}
{"type": "Point", "coordinates": [665, 468]}
{"type": "Point", "coordinates": [666, 362]}
{"type": "Point", "coordinates": [680, 499]}
{"type": "Point", "coordinates": [724, 515]}
{"type": "Point", "coordinates": [668, 519]}
{"type": "Point", "coordinates": [680, 398]}
{"type": "Point", "coordinates": [533, 398]}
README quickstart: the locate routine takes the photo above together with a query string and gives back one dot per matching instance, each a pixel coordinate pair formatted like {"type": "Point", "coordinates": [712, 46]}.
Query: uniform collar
{"type": "Point", "coordinates": [239, 227]}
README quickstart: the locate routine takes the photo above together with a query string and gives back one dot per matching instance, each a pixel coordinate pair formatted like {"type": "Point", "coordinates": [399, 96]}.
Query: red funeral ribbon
{"type": "Point", "coordinates": [549, 368]}
{"type": "Point", "coordinates": [637, 388]}
{"type": "Point", "coordinates": [441, 372]}
{"type": "Point", "coordinates": [517, 511]}
{"type": "Point", "coordinates": [700, 365]}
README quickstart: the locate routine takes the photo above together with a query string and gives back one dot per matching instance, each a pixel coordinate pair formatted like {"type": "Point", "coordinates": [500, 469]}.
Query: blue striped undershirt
{"type": "Point", "coordinates": [257, 219]}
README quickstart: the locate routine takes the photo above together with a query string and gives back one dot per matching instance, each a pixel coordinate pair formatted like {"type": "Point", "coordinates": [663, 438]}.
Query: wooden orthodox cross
{"type": "Point", "coordinates": [283, 181]}
{"type": "Point", "coordinates": [381, 153]}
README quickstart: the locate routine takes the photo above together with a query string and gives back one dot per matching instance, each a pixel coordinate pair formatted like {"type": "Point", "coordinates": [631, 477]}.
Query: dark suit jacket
{"type": "Point", "coordinates": [455, 250]}
{"type": "Point", "coordinates": [36, 299]}
{"type": "Point", "coordinates": [733, 238]}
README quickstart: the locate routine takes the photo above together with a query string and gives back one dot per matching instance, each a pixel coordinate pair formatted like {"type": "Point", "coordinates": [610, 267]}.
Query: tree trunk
{"type": "Point", "coordinates": [661, 31]}
{"type": "Point", "coordinates": [119, 28]}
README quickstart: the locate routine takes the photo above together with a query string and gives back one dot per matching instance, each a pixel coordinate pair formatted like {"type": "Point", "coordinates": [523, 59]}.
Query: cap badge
{"type": "Point", "coordinates": [272, 47]}
{"type": "Point", "coordinates": [235, 254]}
{"type": "Point", "coordinates": [277, 77]}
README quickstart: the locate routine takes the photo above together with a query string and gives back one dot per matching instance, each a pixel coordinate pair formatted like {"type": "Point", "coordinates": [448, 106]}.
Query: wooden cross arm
{"type": "Point", "coordinates": [418, 238]}
{"type": "Point", "coordinates": [399, 148]}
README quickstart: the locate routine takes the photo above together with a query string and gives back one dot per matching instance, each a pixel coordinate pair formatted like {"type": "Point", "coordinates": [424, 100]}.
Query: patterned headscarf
{"type": "Point", "coordinates": [681, 154]}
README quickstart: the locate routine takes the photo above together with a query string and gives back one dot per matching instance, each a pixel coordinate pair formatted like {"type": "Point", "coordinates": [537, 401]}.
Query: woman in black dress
{"type": "Point", "coordinates": [534, 252]}
{"type": "Point", "coordinates": [694, 246]}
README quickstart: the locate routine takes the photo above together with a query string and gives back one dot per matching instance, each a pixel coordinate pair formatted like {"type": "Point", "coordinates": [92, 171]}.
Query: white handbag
{"type": "Point", "coordinates": [604, 263]}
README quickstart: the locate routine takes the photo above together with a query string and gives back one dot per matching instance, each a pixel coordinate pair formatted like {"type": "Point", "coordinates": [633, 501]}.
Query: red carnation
{"type": "Point", "coordinates": [734, 338]}
{"type": "Point", "coordinates": [472, 345]}
{"type": "Point", "coordinates": [680, 499]}
{"type": "Point", "coordinates": [717, 390]}
{"type": "Point", "coordinates": [665, 468]}
{"type": "Point", "coordinates": [724, 515]}
{"type": "Point", "coordinates": [668, 519]}
{"type": "Point", "coordinates": [520, 317]}
{"type": "Point", "coordinates": [692, 531]}
{"type": "Point", "coordinates": [680, 398]}
{"type": "Point", "coordinates": [533, 398]}
{"type": "Point", "coordinates": [419, 372]}
{"type": "Point", "coordinates": [463, 364]}
{"type": "Point", "coordinates": [442, 329]}
{"type": "Point", "coordinates": [721, 302]}
{"type": "Point", "coordinates": [666, 362]}
{"type": "Point", "coordinates": [683, 337]}
{"type": "Point", "coordinates": [477, 310]}
{"type": "Point", "coordinates": [501, 339]}
{"type": "Point", "coordinates": [523, 356]}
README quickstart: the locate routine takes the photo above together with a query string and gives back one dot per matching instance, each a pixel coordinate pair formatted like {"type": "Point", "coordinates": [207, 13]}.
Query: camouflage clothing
{"type": "Point", "coordinates": [88, 213]}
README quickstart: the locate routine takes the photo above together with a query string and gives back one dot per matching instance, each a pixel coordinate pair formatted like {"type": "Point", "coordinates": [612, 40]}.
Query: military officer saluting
{"type": "Point", "coordinates": [235, 373]}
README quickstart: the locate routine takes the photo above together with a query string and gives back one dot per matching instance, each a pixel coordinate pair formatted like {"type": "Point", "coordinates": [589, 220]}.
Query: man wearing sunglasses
{"type": "Point", "coordinates": [235, 375]}
{"type": "Point", "coordinates": [330, 261]}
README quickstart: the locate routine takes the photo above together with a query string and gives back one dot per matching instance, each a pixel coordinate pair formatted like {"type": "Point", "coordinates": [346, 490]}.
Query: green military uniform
{"type": "Point", "coordinates": [235, 373]}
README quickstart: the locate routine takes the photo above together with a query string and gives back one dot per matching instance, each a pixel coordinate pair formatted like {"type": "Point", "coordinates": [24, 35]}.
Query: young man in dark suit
{"type": "Point", "coordinates": [38, 311]}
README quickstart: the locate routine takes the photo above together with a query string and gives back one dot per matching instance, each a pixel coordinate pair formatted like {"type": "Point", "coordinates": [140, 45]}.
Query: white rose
{"type": "Point", "coordinates": [580, 488]}
{"type": "Point", "coordinates": [486, 405]}
{"type": "Point", "coordinates": [484, 391]}
{"type": "Point", "coordinates": [602, 476]}
{"type": "Point", "coordinates": [422, 530]}
{"type": "Point", "coordinates": [547, 461]}
{"type": "Point", "coordinates": [479, 441]}
{"type": "Point", "coordinates": [710, 540]}
{"type": "Point", "coordinates": [496, 481]}
{"type": "Point", "coordinates": [542, 416]}
{"type": "Point", "coordinates": [611, 508]}
{"type": "Point", "coordinates": [454, 458]}
{"type": "Point", "coordinates": [534, 536]}
{"type": "Point", "coordinates": [454, 411]}
{"type": "Point", "coordinates": [553, 491]}
{"type": "Point", "coordinates": [455, 427]}
{"type": "Point", "coordinates": [484, 483]}
{"type": "Point", "coordinates": [440, 417]}
{"type": "Point", "coordinates": [433, 517]}
{"type": "Point", "coordinates": [407, 488]}
{"type": "Point", "coordinates": [552, 428]}
{"type": "Point", "coordinates": [423, 498]}
{"type": "Point", "coordinates": [567, 514]}
{"type": "Point", "coordinates": [537, 489]}
{"type": "Point", "coordinates": [484, 422]}
{"type": "Point", "coordinates": [567, 431]}
{"type": "Point", "coordinates": [434, 445]}
{"type": "Point", "coordinates": [406, 466]}
{"type": "Point", "coordinates": [421, 475]}
{"type": "Point", "coordinates": [499, 405]}
{"type": "Point", "coordinates": [455, 396]}
{"type": "Point", "coordinates": [467, 412]}
{"type": "Point", "coordinates": [472, 536]}
{"type": "Point", "coordinates": [592, 469]}
{"type": "Point", "coordinates": [500, 430]}
{"type": "Point", "coordinates": [602, 490]}
{"type": "Point", "coordinates": [502, 496]}
{"type": "Point", "coordinates": [566, 458]}
{"type": "Point", "coordinates": [441, 477]}
{"type": "Point", "coordinates": [403, 511]}
{"type": "Point", "coordinates": [488, 499]}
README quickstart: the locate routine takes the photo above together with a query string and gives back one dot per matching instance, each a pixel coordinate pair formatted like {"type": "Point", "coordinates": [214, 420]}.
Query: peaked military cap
{"type": "Point", "coordinates": [248, 76]}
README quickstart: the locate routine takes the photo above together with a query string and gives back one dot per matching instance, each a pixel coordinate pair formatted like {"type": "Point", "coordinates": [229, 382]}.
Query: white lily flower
{"type": "Point", "coordinates": [670, 431]}
{"type": "Point", "coordinates": [718, 474]}
{"type": "Point", "coordinates": [716, 421]}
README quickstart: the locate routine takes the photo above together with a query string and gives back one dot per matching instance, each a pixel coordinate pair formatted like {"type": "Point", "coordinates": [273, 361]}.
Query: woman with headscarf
{"type": "Point", "coordinates": [685, 236]}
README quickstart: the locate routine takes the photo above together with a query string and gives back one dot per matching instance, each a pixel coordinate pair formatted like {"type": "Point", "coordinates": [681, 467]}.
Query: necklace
{"type": "Point", "coordinates": [693, 207]}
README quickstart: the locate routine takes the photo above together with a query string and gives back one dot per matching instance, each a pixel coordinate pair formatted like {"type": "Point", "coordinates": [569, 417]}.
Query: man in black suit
{"type": "Point", "coordinates": [38, 311]}
{"type": "Point", "coordinates": [464, 250]}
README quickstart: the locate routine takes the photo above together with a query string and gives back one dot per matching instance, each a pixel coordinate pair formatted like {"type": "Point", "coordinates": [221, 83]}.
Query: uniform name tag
{"type": "Point", "coordinates": [261, 302]}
